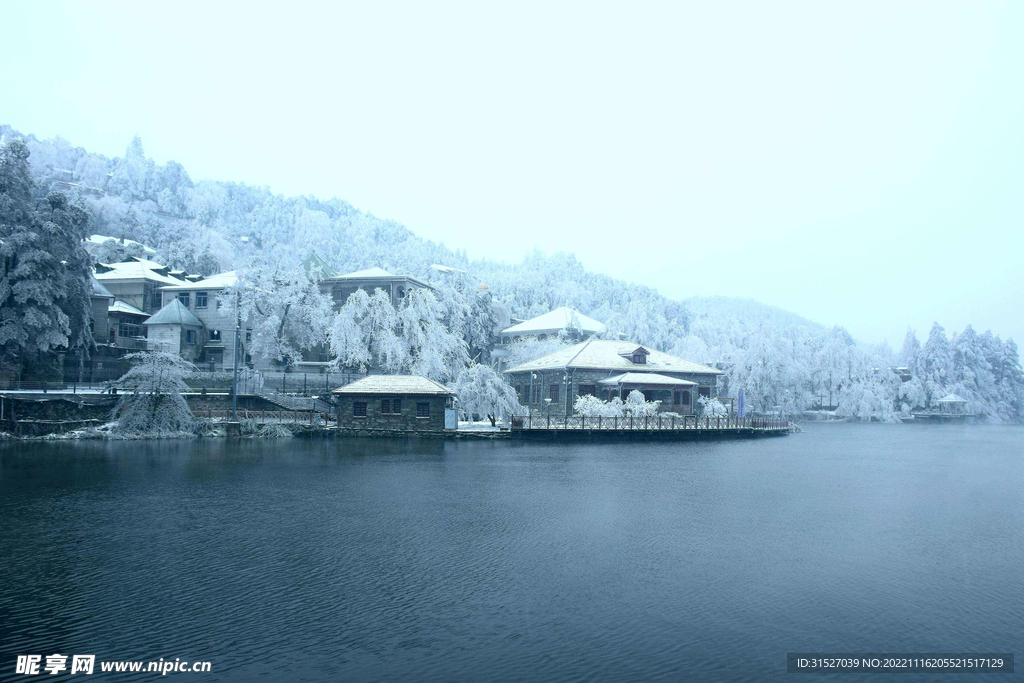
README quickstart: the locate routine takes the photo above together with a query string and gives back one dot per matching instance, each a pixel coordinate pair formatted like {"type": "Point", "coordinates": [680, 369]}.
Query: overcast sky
{"type": "Point", "coordinates": [858, 165]}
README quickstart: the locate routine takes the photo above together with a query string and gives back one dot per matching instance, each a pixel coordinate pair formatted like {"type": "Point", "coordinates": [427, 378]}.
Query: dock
{"type": "Point", "coordinates": [579, 427]}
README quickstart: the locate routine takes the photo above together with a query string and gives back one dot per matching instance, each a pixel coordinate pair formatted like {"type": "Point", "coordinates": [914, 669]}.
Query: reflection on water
{"type": "Point", "coordinates": [371, 559]}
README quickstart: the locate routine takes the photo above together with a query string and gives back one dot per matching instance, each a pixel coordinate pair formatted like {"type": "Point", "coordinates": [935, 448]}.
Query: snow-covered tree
{"type": "Point", "coordinates": [592, 406]}
{"type": "Point", "coordinates": [153, 404]}
{"type": "Point", "coordinates": [369, 331]}
{"type": "Point", "coordinates": [712, 407]}
{"type": "Point", "coordinates": [936, 361]}
{"type": "Point", "coordinates": [116, 251]}
{"type": "Point", "coordinates": [637, 405]}
{"type": "Point", "coordinates": [288, 311]}
{"type": "Point", "coordinates": [482, 391]}
{"type": "Point", "coordinates": [530, 348]}
{"type": "Point", "coordinates": [133, 174]}
{"type": "Point", "coordinates": [44, 287]}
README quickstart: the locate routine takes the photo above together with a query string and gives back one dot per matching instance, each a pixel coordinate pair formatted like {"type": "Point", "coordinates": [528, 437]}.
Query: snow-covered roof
{"type": "Point", "coordinates": [645, 378]}
{"type": "Point", "coordinates": [395, 384]}
{"type": "Point", "coordinates": [952, 398]}
{"type": "Point", "coordinates": [122, 307]}
{"type": "Point", "coordinates": [133, 270]}
{"type": "Point", "coordinates": [173, 313]}
{"type": "Point", "coordinates": [150, 263]}
{"type": "Point", "coordinates": [218, 281]}
{"type": "Point", "coordinates": [102, 239]}
{"type": "Point", "coordinates": [561, 318]}
{"type": "Point", "coordinates": [369, 272]}
{"type": "Point", "coordinates": [441, 268]}
{"type": "Point", "coordinates": [99, 290]}
{"type": "Point", "coordinates": [611, 355]}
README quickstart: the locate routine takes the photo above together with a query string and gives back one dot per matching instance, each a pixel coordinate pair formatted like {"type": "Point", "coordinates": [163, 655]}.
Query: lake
{"type": "Point", "coordinates": [426, 560]}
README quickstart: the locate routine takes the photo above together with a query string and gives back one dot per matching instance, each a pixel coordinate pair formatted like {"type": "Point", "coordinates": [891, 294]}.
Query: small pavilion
{"type": "Point", "coordinates": [951, 404]}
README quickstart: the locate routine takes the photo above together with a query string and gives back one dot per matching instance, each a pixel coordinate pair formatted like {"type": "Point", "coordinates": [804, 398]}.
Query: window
{"type": "Point", "coordinates": [183, 297]}
{"type": "Point", "coordinates": [214, 334]}
{"type": "Point", "coordinates": [385, 406]}
{"type": "Point", "coordinates": [588, 389]}
{"type": "Point", "coordinates": [129, 330]}
{"type": "Point", "coordinates": [541, 337]}
{"type": "Point", "coordinates": [200, 299]}
{"type": "Point", "coordinates": [359, 408]}
{"type": "Point", "coordinates": [190, 336]}
{"type": "Point", "coordinates": [422, 410]}
{"type": "Point", "coordinates": [248, 336]}
{"type": "Point", "coordinates": [685, 399]}
{"type": "Point", "coordinates": [639, 358]}
{"type": "Point", "coordinates": [396, 406]}
{"type": "Point", "coordinates": [553, 393]}
{"type": "Point", "coordinates": [704, 391]}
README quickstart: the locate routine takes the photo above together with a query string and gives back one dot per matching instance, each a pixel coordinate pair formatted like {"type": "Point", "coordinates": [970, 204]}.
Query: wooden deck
{"type": "Point", "coordinates": [653, 428]}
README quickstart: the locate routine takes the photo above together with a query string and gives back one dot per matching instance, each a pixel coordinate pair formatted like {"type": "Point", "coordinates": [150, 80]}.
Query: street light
{"type": "Point", "coordinates": [234, 371]}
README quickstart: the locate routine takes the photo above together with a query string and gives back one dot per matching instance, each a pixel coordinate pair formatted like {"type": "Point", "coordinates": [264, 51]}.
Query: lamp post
{"type": "Point", "coordinates": [234, 381]}
{"type": "Point", "coordinates": [234, 370]}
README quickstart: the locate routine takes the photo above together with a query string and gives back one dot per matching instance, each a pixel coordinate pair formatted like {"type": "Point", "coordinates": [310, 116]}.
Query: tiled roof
{"type": "Point", "coordinates": [369, 272]}
{"type": "Point", "coordinates": [611, 355]}
{"type": "Point", "coordinates": [395, 384]}
{"type": "Point", "coordinates": [173, 313]}
{"type": "Point", "coordinates": [561, 318]}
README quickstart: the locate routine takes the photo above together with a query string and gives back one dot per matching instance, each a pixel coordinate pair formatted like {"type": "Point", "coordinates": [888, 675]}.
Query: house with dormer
{"type": "Point", "coordinates": [607, 368]}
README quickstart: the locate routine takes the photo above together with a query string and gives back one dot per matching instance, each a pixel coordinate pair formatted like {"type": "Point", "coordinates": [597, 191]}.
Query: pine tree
{"type": "Point", "coordinates": [936, 359]}
{"type": "Point", "coordinates": [34, 284]}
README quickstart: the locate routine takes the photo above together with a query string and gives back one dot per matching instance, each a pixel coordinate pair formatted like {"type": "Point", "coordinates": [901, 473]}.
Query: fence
{"type": "Point", "coordinates": [651, 423]}
{"type": "Point", "coordinates": [249, 381]}
{"type": "Point", "coordinates": [313, 418]}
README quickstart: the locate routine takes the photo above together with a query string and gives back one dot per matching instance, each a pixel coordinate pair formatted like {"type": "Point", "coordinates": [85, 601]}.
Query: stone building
{"type": "Point", "coordinates": [608, 368]}
{"type": "Point", "coordinates": [138, 282]}
{"type": "Point", "coordinates": [203, 299]}
{"type": "Point", "coordinates": [100, 301]}
{"type": "Point", "coordinates": [406, 403]}
{"type": "Point", "coordinates": [125, 327]}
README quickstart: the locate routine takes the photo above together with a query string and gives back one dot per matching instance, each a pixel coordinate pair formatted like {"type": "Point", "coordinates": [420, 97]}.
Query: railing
{"type": "Point", "coordinates": [295, 402]}
{"type": "Point", "coordinates": [651, 423]}
{"type": "Point", "coordinates": [305, 417]}
{"type": "Point", "coordinates": [46, 386]}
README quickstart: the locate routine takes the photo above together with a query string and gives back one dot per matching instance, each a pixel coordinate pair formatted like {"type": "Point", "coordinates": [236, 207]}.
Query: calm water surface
{"type": "Point", "coordinates": [359, 560]}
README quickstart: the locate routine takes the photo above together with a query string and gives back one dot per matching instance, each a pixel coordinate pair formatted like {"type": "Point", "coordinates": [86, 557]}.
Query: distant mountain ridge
{"type": "Point", "coordinates": [211, 226]}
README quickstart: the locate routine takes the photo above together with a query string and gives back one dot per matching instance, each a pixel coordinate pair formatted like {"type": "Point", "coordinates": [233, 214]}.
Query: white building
{"type": "Point", "coordinates": [552, 324]}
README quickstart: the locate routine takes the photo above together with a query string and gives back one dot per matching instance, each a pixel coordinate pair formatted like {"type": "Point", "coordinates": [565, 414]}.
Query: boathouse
{"type": "Point", "coordinates": [606, 368]}
{"type": "Point", "coordinates": [404, 403]}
